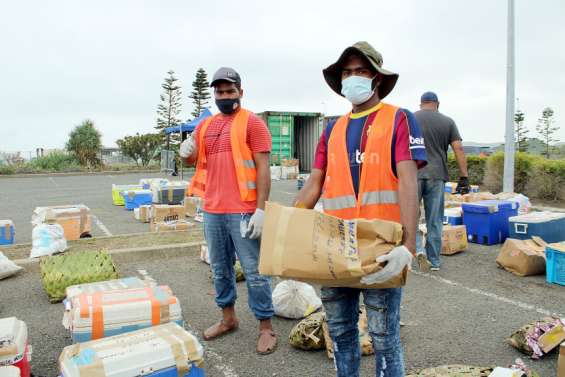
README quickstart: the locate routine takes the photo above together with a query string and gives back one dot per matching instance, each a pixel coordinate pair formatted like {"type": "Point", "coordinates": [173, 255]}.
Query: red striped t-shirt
{"type": "Point", "coordinates": [222, 192]}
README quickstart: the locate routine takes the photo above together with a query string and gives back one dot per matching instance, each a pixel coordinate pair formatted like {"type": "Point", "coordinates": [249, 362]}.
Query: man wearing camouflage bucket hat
{"type": "Point", "coordinates": [366, 166]}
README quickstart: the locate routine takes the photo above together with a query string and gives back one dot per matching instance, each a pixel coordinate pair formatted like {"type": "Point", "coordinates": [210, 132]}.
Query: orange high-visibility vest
{"type": "Point", "coordinates": [242, 159]}
{"type": "Point", "coordinates": [378, 186]}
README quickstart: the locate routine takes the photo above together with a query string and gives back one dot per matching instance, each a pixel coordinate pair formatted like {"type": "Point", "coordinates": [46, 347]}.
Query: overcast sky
{"type": "Point", "coordinates": [66, 61]}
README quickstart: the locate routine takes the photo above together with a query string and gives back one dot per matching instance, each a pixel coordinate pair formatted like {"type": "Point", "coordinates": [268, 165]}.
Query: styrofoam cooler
{"type": "Point", "coordinates": [6, 232]}
{"type": "Point", "coordinates": [170, 193]}
{"type": "Point", "coordinates": [108, 285]}
{"type": "Point", "coordinates": [165, 350]}
{"type": "Point", "coordinates": [10, 371]}
{"type": "Point", "coordinates": [101, 314]}
{"type": "Point", "coordinates": [147, 182]}
{"type": "Point", "coordinates": [14, 347]}
{"type": "Point", "coordinates": [453, 216]}
{"type": "Point", "coordinates": [487, 220]}
{"type": "Point", "coordinates": [549, 226]}
{"type": "Point", "coordinates": [135, 198]}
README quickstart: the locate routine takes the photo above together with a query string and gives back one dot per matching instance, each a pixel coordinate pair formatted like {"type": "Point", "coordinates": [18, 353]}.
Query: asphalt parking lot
{"type": "Point", "coordinates": [459, 315]}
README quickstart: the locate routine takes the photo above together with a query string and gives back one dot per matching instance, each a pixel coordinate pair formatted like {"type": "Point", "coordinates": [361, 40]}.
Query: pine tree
{"type": "Point", "coordinates": [521, 131]}
{"type": "Point", "coordinates": [170, 106]}
{"type": "Point", "coordinates": [200, 92]}
{"type": "Point", "coordinates": [546, 129]}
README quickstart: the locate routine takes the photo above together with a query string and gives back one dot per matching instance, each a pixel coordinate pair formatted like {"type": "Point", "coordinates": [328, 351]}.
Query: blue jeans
{"type": "Point", "coordinates": [222, 232]}
{"type": "Point", "coordinates": [432, 192]}
{"type": "Point", "coordinates": [383, 314]}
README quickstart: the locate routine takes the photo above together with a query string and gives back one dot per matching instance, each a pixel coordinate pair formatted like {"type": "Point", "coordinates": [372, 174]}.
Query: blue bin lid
{"type": "Point", "coordinates": [489, 206]}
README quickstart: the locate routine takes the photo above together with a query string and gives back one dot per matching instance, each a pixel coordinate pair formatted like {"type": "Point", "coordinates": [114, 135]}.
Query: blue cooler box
{"type": "Point", "coordinates": [549, 226]}
{"type": "Point", "coordinates": [134, 199]}
{"type": "Point", "coordinates": [6, 232]}
{"type": "Point", "coordinates": [487, 220]}
{"type": "Point", "coordinates": [453, 216]}
{"type": "Point", "coordinates": [555, 265]}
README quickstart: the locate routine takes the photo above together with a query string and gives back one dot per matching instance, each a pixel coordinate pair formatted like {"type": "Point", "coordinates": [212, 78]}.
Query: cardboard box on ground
{"type": "Point", "coordinates": [171, 226]}
{"type": "Point", "coordinates": [561, 361]}
{"type": "Point", "coordinates": [191, 205]}
{"type": "Point", "coordinates": [523, 257]}
{"type": "Point", "coordinates": [317, 248]}
{"type": "Point", "coordinates": [166, 213]}
{"type": "Point", "coordinates": [75, 219]}
{"type": "Point", "coordinates": [453, 238]}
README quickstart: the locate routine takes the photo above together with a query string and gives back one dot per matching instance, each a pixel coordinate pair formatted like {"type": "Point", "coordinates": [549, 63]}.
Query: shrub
{"type": "Point", "coordinates": [475, 167]}
{"type": "Point", "coordinates": [547, 180]}
{"type": "Point", "coordinates": [56, 161]}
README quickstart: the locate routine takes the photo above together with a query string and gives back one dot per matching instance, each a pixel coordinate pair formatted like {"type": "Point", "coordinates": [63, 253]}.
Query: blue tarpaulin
{"type": "Point", "coordinates": [189, 126]}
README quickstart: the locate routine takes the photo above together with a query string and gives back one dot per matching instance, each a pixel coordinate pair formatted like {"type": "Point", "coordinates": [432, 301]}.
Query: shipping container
{"type": "Point", "coordinates": [295, 136]}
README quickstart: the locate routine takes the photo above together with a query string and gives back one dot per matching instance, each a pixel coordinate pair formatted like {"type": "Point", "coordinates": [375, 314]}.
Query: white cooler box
{"type": "Point", "coordinates": [165, 350]}
{"type": "Point", "coordinates": [102, 314]}
{"type": "Point", "coordinates": [14, 348]}
{"type": "Point", "coordinates": [109, 285]}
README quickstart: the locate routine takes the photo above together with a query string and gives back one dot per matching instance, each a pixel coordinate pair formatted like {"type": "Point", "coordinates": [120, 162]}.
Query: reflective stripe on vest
{"type": "Point", "coordinates": [340, 202]}
{"type": "Point", "coordinates": [379, 197]}
{"type": "Point", "coordinates": [378, 185]}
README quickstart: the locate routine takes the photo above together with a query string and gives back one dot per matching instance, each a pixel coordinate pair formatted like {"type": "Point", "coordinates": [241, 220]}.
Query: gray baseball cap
{"type": "Point", "coordinates": [226, 74]}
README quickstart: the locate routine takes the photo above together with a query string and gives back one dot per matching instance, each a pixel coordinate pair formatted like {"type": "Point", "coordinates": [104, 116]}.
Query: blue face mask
{"type": "Point", "coordinates": [357, 89]}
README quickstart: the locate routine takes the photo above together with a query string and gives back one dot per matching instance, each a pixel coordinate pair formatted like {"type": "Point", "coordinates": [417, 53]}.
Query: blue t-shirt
{"type": "Point", "coordinates": [407, 140]}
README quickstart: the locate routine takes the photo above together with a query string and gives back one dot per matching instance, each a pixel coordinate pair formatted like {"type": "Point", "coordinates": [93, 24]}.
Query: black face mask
{"type": "Point", "coordinates": [228, 105]}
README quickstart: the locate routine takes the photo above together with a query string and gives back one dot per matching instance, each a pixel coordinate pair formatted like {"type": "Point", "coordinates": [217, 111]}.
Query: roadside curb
{"type": "Point", "coordinates": [171, 248]}
{"type": "Point", "coordinates": [78, 173]}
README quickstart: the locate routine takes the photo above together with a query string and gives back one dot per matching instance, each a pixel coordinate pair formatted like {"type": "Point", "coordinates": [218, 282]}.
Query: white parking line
{"type": "Point", "coordinates": [289, 193]}
{"type": "Point", "coordinates": [102, 227]}
{"type": "Point", "coordinates": [53, 181]}
{"type": "Point", "coordinates": [520, 304]}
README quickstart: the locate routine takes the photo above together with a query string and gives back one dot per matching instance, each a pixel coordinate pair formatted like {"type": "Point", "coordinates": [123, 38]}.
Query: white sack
{"type": "Point", "coordinates": [294, 299]}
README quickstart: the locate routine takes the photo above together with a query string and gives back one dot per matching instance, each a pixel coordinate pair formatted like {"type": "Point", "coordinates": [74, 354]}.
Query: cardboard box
{"type": "Point", "coordinates": [523, 257]}
{"type": "Point", "coordinates": [165, 213]}
{"type": "Point", "coordinates": [75, 219]}
{"type": "Point", "coordinates": [561, 361]}
{"type": "Point", "coordinates": [289, 162]}
{"type": "Point", "coordinates": [453, 239]}
{"type": "Point", "coordinates": [313, 247]}
{"type": "Point", "coordinates": [552, 339]}
{"type": "Point", "coordinates": [191, 205]}
{"type": "Point", "coordinates": [145, 213]}
{"type": "Point", "coordinates": [171, 226]}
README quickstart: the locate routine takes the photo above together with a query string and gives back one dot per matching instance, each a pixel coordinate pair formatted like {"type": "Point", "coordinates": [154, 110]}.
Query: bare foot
{"type": "Point", "coordinates": [219, 329]}
{"type": "Point", "coordinates": [267, 342]}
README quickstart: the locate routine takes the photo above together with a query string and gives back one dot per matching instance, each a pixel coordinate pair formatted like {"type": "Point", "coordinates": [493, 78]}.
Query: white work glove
{"type": "Point", "coordinates": [255, 226]}
{"type": "Point", "coordinates": [396, 259]}
{"type": "Point", "coordinates": [187, 147]}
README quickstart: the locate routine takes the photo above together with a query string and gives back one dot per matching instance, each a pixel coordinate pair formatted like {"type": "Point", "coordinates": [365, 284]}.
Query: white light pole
{"type": "Point", "coordinates": [508, 183]}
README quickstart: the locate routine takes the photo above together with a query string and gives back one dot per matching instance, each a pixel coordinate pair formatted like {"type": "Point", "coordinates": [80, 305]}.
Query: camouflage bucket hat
{"type": "Point", "coordinates": [332, 74]}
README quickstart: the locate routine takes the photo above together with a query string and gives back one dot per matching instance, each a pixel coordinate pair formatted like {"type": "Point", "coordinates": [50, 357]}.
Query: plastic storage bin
{"type": "Point", "coordinates": [487, 220]}
{"type": "Point", "coordinates": [6, 232]}
{"type": "Point", "coordinates": [555, 263]}
{"type": "Point", "coordinates": [549, 226]}
{"type": "Point", "coordinates": [453, 216]}
{"type": "Point", "coordinates": [117, 193]}
{"type": "Point", "coordinates": [135, 198]}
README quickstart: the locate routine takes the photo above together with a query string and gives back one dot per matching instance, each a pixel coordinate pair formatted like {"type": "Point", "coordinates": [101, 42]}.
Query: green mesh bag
{"type": "Point", "coordinates": [61, 271]}
{"type": "Point", "coordinates": [239, 276]}
{"type": "Point", "coordinates": [308, 334]}
{"type": "Point", "coordinates": [452, 371]}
